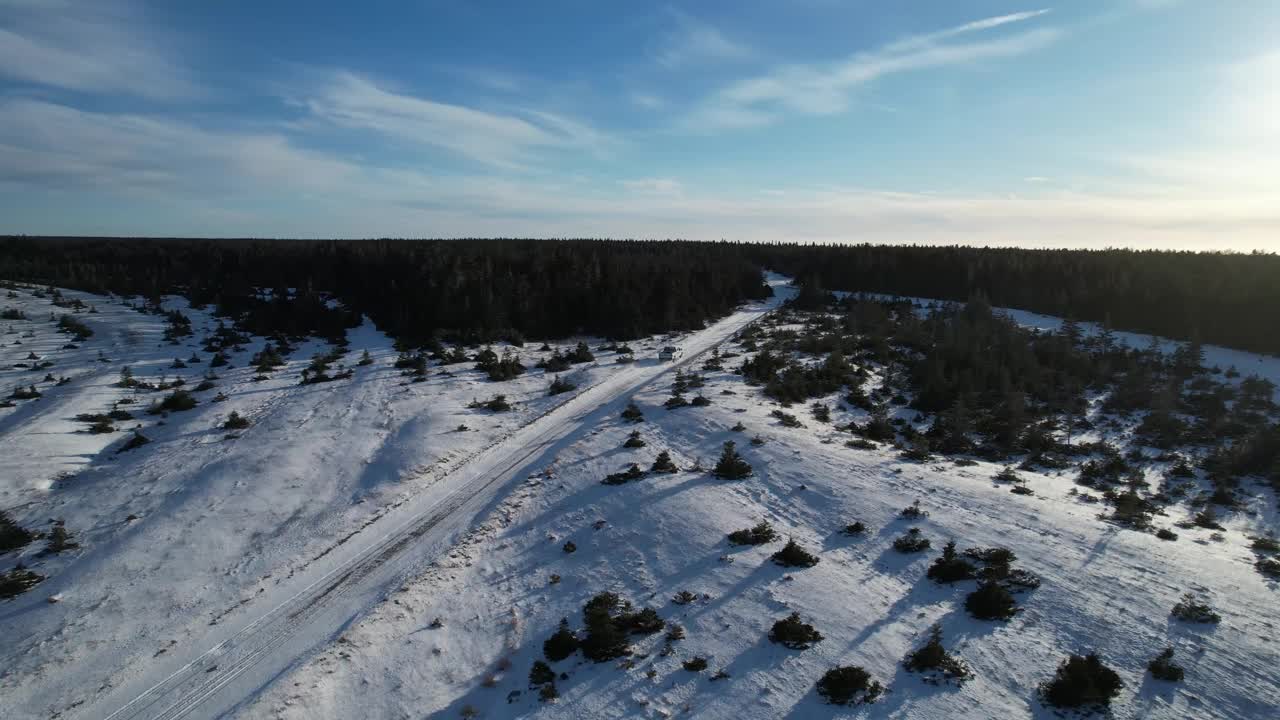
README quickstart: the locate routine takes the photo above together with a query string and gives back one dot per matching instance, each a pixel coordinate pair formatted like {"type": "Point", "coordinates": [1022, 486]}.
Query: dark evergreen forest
{"type": "Point", "coordinates": [475, 290]}
{"type": "Point", "coordinates": [415, 290]}
{"type": "Point", "coordinates": [1228, 299]}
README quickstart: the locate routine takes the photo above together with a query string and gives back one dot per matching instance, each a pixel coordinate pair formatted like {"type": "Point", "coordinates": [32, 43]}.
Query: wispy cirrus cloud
{"type": "Point", "coordinates": [102, 47]}
{"type": "Point", "coordinates": [503, 139]}
{"type": "Point", "coordinates": [826, 88]}
{"type": "Point", "coordinates": [693, 41]}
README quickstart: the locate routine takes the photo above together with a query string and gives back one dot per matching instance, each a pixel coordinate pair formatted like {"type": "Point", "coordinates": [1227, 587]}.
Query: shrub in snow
{"type": "Point", "coordinates": [950, 568]}
{"type": "Point", "coordinates": [792, 555]}
{"type": "Point", "coordinates": [497, 403]}
{"type": "Point", "coordinates": [935, 662]}
{"type": "Point", "coordinates": [621, 478]}
{"type": "Point", "coordinates": [700, 401]}
{"type": "Point", "coordinates": [570, 547]}
{"type": "Point", "coordinates": [762, 533]}
{"type": "Point", "coordinates": [235, 421]}
{"type": "Point", "coordinates": [991, 601]}
{"type": "Point", "coordinates": [1266, 544]}
{"type": "Point", "coordinates": [912, 542]}
{"type": "Point", "coordinates": [12, 535]}
{"type": "Point", "coordinates": [787, 419]}
{"type": "Point", "coordinates": [738, 427]}
{"type": "Point", "coordinates": [559, 386]}
{"type": "Point", "coordinates": [1269, 567]}
{"type": "Point", "coordinates": [1008, 475]}
{"type": "Point", "coordinates": [675, 632]}
{"type": "Point", "coordinates": [731, 466]}
{"type": "Point", "coordinates": [1189, 609]}
{"type": "Point", "coordinates": [675, 401]}
{"type": "Point", "coordinates": [913, 511]}
{"type": "Point", "coordinates": [548, 692]}
{"type": "Point", "coordinates": [794, 633]}
{"type": "Point", "coordinates": [684, 597]}
{"type": "Point", "coordinates": [664, 464]}
{"type": "Point", "coordinates": [135, 442]}
{"type": "Point", "coordinates": [17, 581]}
{"type": "Point", "coordinates": [695, 664]}
{"type": "Point", "coordinates": [59, 540]}
{"type": "Point", "coordinates": [1081, 682]}
{"type": "Point", "coordinates": [1021, 490]}
{"type": "Point", "coordinates": [541, 674]}
{"type": "Point", "coordinates": [821, 413]}
{"type": "Point", "coordinates": [606, 617]}
{"type": "Point", "coordinates": [632, 413]}
{"type": "Point", "coordinates": [1166, 534]}
{"type": "Point", "coordinates": [855, 528]}
{"type": "Point", "coordinates": [849, 685]}
{"type": "Point", "coordinates": [176, 401]}
{"type": "Point", "coordinates": [562, 643]}
{"type": "Point", "coordinates": [1163, 667]}
{"type": "Point", "coordinates": [634, 440]}
{"type": "Point", "coordinates": [1207, 519]}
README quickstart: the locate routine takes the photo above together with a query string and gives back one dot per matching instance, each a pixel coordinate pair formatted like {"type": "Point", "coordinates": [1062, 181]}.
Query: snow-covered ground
{"type": "Point", "coordinates": [196, 545]}
{"type": "Point", "coordinates": [469, 528]}
{"type": "Point", "coordinates": [1104, 589]}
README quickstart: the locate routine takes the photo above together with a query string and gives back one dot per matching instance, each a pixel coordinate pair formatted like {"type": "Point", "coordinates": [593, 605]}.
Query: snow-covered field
{"type": "Point", "coordinates": [230, 585]}
{"type": "Point", "coordinates": [187, 543]}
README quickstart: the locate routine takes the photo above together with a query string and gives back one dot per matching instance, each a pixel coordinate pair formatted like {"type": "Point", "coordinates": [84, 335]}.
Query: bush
{"type": "Point", "coordinates": [821, 413]}
{"type": "Point", "coordinates": [559, 385]}
{"type": "Point", "coordinates": [991, 601]}
{"type": "Point", "coordinates": [1021, 490]}
{"type": "Point", "coordinates": [548, 692]}
{"type": "Point", "coordinates": [569, 547]}
{"type": "Point", "coordinates": [787, 419]}
{"type": "Point", "coordinates": [176, 401]}
{"type": "Point", "coordinates": [621, 478]}
{"type": "Point", "coordinates": [634, 440]}
{"type": "Point", "coordinates": [855, 528]}
{"type": "Point", "coordinates": [794, 633]}
{"type": "Point", "coordinates": [792, 555]}
{"type": "Point", "coordinates": [12, 535]}
{"type": "Point", "coordinates": [606, 637]}
{"type": "Point", "coordinates": [1007, 475]}
{"type": "Point", "coordinates": [497, 403]}
{"type": "Point", "coordinates": [1266, 544]}
{"type": "Point", "coordinates": [1166, 534]}
{"type": "Point", "coordinates": [849, 685]}
{"type": "Point", "coordinates": [1163, 667]}
{"type": "Point", "coordinates": [738, 427]}
{"type": "Point", "coordinates": [135, 442]}
{"type": "Point", "coordinates": [695, 664]}
{"type": "Point", "coordinates": [1269, 567]}
{"type": "Point", "coordinates": [17, 581]}
{"type": "Point", "coordinates": [1082, 681]}
{"type": "Point", "coordinates": [541, 674]}
{"type": "Point", "coordinates": [731, 466]}
{"type": "Point", "coordinates": [102, 427]}
{"type": "Point", "coordinates": [759, 535]}
{"type": "Point", "coordinates": [235, 421]}
{"type": "Point", "coordinates": [632, 413]}
{"type": "Point", "coordinates": [700, 401]}
{"type": "Point", "coordinates": [562, 643]}
{"type": "Point", "coordinates": [913, 511]}
{"type": "Point", "coordinates": [1189, 609]}
{"type": "Point", "coordinates": [950, 568]}
{"type": "Point", "coordinates": [933, 659]}
{"type": "Point", "coordinates": [59, 541]}
{"type": "Point", "coordinates": [664, 464]}
{"type": "Point", "coordinates": [912, 542]}
{"type": "Point", "coordinates": [674, 402]}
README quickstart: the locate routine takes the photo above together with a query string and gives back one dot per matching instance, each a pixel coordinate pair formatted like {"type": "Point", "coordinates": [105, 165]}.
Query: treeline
{"type": "Point", "coordinates": [415, 290]}
{"type": "Point", "coordinates": [1219, 298]}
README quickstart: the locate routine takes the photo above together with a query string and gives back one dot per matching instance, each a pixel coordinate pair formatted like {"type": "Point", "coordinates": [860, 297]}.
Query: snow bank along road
{"type": "Point", "coordinates": [243, 654]}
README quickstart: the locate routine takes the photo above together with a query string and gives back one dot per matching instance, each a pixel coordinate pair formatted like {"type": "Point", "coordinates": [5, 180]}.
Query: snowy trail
{"type": "Point", "coordinates": [214, 677]}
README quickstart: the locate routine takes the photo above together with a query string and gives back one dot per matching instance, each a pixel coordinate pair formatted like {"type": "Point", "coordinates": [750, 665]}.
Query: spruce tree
{"type": "Point", "coordinates": [731, 466]}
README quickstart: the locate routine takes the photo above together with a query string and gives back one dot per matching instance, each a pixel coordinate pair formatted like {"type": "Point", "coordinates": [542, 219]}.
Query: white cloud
{"type": "Point", "coordinates": [504, 140]}
{"type": "Point", "coordinates": [98, 47]}
{"type": "Point", "coordinates": [693, 41]}
{"type": "Point", "coordinates": [822, 89]}
{"type": "Point", "coordinates": [654, 186]}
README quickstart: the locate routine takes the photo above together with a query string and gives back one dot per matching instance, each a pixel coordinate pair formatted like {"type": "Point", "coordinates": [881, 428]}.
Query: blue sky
{"type": "Point", "coordinates": [1137, 123]}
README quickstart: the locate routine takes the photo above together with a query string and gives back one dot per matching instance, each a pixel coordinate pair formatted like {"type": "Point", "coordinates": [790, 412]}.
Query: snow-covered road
{"type": "Point", "coordinates": [237, 658]}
